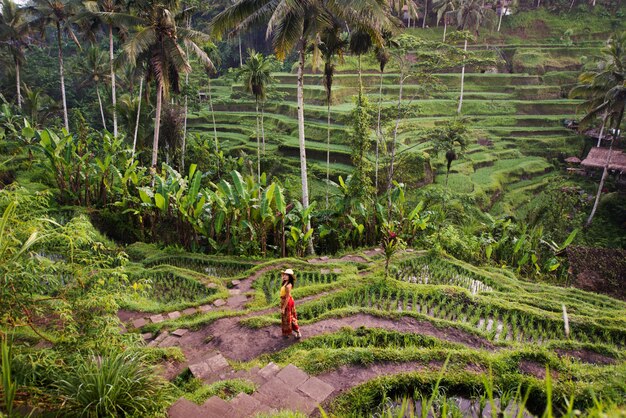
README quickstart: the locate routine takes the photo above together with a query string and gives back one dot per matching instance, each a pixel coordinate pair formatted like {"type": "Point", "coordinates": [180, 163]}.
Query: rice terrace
{"type": "Point", "coordinates": [324, 208]}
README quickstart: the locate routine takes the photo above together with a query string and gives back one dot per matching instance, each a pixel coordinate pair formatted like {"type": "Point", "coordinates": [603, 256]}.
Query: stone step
{"type": "Point", "coordinates": [245, 406]}
{"type": "Point", "coordinates": [210, 367]}
{"type": "Point", "coordinates": [215, 407]}
{"type": "Point", "coordinates": [184, 408]}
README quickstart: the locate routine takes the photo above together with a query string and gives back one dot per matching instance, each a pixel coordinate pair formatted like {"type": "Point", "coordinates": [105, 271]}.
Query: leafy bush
{"type": "Point", "coordinates": [116, 384]}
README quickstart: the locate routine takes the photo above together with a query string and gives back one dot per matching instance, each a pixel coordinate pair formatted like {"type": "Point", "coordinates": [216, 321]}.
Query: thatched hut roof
{"type": "Point", "coordinates": [600, 270]}
{"type": "Point", "coordinates": [597, 159]}
{"type": "Point", "coordinates": [572, 160]}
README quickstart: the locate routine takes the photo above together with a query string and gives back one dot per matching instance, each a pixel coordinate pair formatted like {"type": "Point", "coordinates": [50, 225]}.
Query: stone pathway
{"type": "Point", "coordinates": [288, 388]}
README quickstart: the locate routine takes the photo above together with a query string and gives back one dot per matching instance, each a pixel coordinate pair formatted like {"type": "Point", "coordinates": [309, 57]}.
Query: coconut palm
{"type": "Point", "coordinates": [94, 71]}
{"type": "Point", "coordinates": [59, 14]}
{"type": "Point", "coordinates": [404, 8]}
{"type": "Point", "coordinates": [293, 24]}
{"type": "Point", "coordinates": [382, 56]}
{"type": "Point", "coordinates": [213, 53]}
{"type": "Point", "coordinates": [156, 43]}
{"type": "Point", "coordinates": [103, 12]}
{"type": "Point", "coordinates": [256, 74]}
{"type": "Point", "coordinates": [360, 43]}
{"type": "Point", "coordinates": [605, 90]}
{"type": "Point", "coordinates": [333, 45]}
{"type": "Point", "coordinates": [443, 7]}
{"type": "Point", "coordinates": [14, 33]}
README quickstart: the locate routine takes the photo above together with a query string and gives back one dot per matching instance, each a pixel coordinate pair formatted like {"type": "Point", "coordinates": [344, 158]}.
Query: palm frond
{"type": "Point", "coordinates": [139, 43]}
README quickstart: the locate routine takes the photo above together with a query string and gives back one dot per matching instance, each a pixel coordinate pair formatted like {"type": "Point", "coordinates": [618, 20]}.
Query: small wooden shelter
{"type": "Point", "coordinates": [597, 158]}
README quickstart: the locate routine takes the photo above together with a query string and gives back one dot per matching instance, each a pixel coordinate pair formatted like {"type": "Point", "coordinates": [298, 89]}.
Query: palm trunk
{"type": "Point", "coordinates": [502, 13]}
{"type": "Point", "coordinates": [212, 115]}
{"type": "Point", "coordinates": [379, 133]}
{"type": "Point", "coordinates": [258, 143]}
{"type": "Point", "coordinates": [327, 147]}
{"type": "Point", "coordinates": [395, 136]}
{"type": "Point", "coordinates": [157, 125]}
{"type": "Point", "coordinates": [360, 74]}
{"type": "Point", "coordinates": [602, 129]}
{"type": "Point", "coordinates": [137, 121]}
{"type": "Point", "coordinates": [240, 54]}
{"type": "Point", "coordinates": [17, 84]}
{"type": "Point", "coordinates": [61, 73]}
{"type": "Point", "coordinates": [301, 137]}
{"type": "Point", "coordinates": [263, 126]}
{"type": "Point", "coordinates": [182, 155]}
{"type": "Point", "coordinates": [104, 123]}
{"type": "Point", "coordinates": [113, 94]}
{"type": "Point", "coordinates": [445, 28]}
{"type": "Point", "coordinates": [462, 81]}
{"type": "Point", "coordinates": [425, 14]}
{"type": "Point", "coordinates": [605, 172]}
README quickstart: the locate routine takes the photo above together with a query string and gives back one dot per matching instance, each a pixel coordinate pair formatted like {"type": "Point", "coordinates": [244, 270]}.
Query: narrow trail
{"type": "Point", "coordinates": [241, 343]}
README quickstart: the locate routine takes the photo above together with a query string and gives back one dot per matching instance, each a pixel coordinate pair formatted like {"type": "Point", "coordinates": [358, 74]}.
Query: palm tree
{"type": "Point", "coordinates": [157, 44]}
{"type": "Point", "coordinates": [382, 56]}
{"type": "Point", "coordinates": [360, 43]}
{"type": "Point", "coordinates": [469, 16]}
{"type": "Point", "coordinates": [293, 24]}
{"type": "Point", "coordinates": [213, 53]}
{"type": "Point", "coordinates": [93, 72]}
{"type": "Point", "coordinates": [104, 11]}
{"type": "Point", "coordinates": [442, 7]}
{"type": "Point", "coordinates": [333, 44]}
{"type": "Point", "coordinates": [256, 74]}
{"type": "Point", "coordinates": [605, 90]}
{"type": "Point", "coordinates": [58, 13]}
{"type": "Point", "coordinates": [14, 33]}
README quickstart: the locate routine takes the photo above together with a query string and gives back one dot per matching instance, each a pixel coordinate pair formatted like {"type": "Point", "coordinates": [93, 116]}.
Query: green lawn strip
{"type": "Point", "coordinates": [196, 391]}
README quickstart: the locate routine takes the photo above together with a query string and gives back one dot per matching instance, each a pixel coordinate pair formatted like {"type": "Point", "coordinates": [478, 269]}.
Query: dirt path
{"type": "Point", "coordinates": [241, 343]}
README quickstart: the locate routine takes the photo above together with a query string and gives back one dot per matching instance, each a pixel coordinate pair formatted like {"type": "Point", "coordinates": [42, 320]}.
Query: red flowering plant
{"type": "Point", "coordinates": [390, 243]}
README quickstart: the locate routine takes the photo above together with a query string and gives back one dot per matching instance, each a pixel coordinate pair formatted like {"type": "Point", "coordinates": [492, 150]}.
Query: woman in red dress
{"type": "Point", "coordinates": [289, 317]}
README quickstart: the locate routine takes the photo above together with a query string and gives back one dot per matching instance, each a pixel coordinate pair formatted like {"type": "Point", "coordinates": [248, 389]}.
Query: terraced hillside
{"type": "Point", "coordinates": [516, 116]}
{"type": "Point", "coordinates": [367, 339]}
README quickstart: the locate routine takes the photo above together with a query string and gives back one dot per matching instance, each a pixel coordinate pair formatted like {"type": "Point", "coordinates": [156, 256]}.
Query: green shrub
{"type": "Point", "coordinates": [117, 384]}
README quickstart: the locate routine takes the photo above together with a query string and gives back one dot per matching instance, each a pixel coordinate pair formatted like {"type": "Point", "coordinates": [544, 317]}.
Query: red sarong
{"type": "Point", "coordinates": [290, 318]}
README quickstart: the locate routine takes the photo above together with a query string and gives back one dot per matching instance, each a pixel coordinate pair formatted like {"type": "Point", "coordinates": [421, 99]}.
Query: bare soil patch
{"type": "Point", "coordinates": [535, 369]}
{"type": "Point", "coordinates": [586, 356]}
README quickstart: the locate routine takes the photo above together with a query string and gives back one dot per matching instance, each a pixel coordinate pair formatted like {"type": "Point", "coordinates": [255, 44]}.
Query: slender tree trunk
{"type": "Point", "coordinates": [605, 172]}
{"type": "Point", "coordinates": [62, 75]}
{"type": "Point", "coordinates": [182, 156]}
{"type": "Point", "coordinates": [445, 29]}
{"type": "Point", "coordinates": [240, 54]}
{"type": "Point", "coordinates": [462, 81]}
{"type": "Point", "coordinates": [17, 84]}
{"type": "Point", "coordinates": [395, 136]}
{"type": "Point", "coordinates": [258, 142]}
{"type": "Point", "coordinates": [263, 125]}
{"type": "Point", "coordinates": [538, 3]}
{"type": "Point", "coordinates": [425, 14]}
{"type": "Point", "coordinates": [213, 115]}
{"type": "Point", "coordinates": [137, 121]}
{"type": "Point", "coordinates": [379, 132]}
{"type": "Point", "coordinates": [113, 94]}
{"type": "Point", "coordinates": [360, 74]}
{"type": "Point", "coordinates": [327, 147]}
{"type": "Point", "coordinates": [602, 129]}
{"type": "Point", "coordinates": [157, 126]}
{"type": "Point", "coordinates": [502, 13]}
{"type": "Point", "coordinates": [301, 137]}
{"type": "Point", "coordinates": [104, 122]}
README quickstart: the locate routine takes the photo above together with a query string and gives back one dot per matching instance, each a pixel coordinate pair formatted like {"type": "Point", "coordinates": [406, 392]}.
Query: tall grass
{"type": "Point", "coordinates": [113, 385]}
